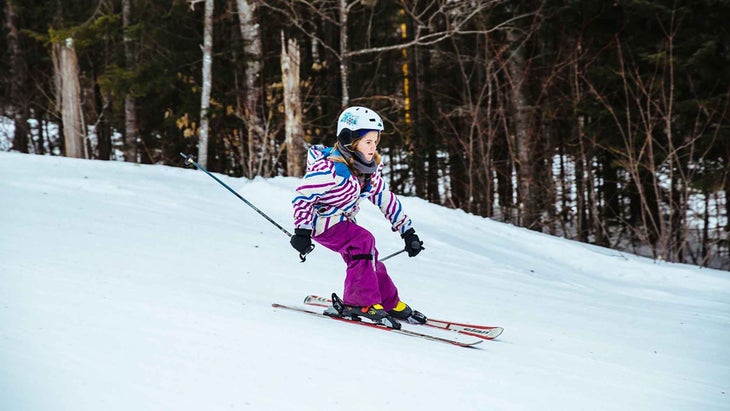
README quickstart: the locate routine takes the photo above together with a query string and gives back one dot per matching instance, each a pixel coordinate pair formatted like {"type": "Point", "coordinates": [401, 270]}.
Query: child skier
{"type": "Point", "coordinates": [338, 178]}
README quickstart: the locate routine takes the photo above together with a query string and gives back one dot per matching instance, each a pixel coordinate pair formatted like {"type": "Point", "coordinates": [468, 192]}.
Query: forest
{"type": "Point", "coordinates": [607, 122]}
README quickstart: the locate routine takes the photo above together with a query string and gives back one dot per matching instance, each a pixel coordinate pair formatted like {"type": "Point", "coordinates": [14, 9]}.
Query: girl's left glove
{"type": "Point", "coordinates": [413, 244]}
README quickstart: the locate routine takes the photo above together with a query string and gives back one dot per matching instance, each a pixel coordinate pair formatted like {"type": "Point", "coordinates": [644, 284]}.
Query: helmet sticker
{"type": "Point", "coordinates": [349, 119]}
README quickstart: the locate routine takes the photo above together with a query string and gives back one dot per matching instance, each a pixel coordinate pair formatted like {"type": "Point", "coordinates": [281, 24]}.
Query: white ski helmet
{"type": "Point", "coordinates": [356, 118]}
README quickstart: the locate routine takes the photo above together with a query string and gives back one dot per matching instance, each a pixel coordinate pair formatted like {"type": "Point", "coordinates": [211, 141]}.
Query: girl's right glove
{"type": "Point", "coordinates": [301, 240]}
{"type": "Point", "coordinates": [413, 244]}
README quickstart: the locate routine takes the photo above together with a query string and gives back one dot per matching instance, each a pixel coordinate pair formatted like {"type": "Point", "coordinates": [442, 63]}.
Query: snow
{"type": "Point", "coordinates": [128, 287]}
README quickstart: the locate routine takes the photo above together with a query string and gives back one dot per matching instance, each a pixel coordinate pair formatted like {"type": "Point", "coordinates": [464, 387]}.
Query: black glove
{"type": "Point", "coordinates": [413, 244]}
{"type": "Point", "coordinates": [301, 240]}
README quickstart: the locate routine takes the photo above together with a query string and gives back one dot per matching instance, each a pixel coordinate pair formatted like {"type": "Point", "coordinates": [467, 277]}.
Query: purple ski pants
{"type": "Point", "coordinates": [367, 281]}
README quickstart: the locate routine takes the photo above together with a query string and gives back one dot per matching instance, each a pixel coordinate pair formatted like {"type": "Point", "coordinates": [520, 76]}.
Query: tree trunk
{"type": "Point", "coordinates": [39, 145]}
{"type": "Point", "coordinates": [131, 127]}
{"type": "Point", "coordinates": [503, 169]}
{"type": "Point", "coordinates": [103, 124]}
{"type": "Point", "coordinates": [548, 198]}
{"type": "Point", "coordinates": [580, 194]}
{"type": "Point", "coordinates": [517, 68]}
{"type": "Point", "coordinates": [612, 206]}
{"type": "Point", "coordinates": [726, 189]}
{"type": "Point", "coordinates": [18, 104]}
{"type": "Point", "coordinates": [344, 59]}
{"type": "Point", "coordinates": [250, 33]}
{"type": "Point", "coordinates": [487, 139]}
{"type": "Point", "coordinates": [457, 176]}
{"type": "Point", "coordinates": [69, 98]}
{"type": "Point", "coordinates": [207, 82]}
{"type": "Point", "coordinates": [592, 196]}
{"type": "Point", "coordinates": [296, 150]}
{"type": "Point", "coordinates": [413, 105]}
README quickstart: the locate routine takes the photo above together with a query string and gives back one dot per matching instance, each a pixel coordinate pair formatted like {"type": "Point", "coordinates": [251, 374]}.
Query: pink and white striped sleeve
{"type": "Point", "coordinates": [318, 181]}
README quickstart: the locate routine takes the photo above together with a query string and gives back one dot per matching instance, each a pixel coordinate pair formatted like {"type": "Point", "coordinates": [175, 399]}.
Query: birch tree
{"type": "Point", "coordinates": [68, 97]}
{"type": "Point", "coordinates": [131, 128]}
{"type": "Point", "coordinates": [207, 81]}
{"type": "Point", "coordinates": [294, 131]}
{"type": "Point", "coordinates": [250, 33]}
{"type": "Point", "coordinates": [344, 11]}
{"type": "Point", "coordinates": [522, 115]}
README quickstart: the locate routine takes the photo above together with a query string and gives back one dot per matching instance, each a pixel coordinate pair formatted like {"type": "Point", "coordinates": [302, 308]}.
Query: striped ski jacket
{"type": "Point", "coordinates": [331, 194]}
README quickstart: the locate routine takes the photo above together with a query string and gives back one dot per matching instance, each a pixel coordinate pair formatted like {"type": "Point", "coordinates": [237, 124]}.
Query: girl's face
{"type": "Point", "coordinates": [368, 144]}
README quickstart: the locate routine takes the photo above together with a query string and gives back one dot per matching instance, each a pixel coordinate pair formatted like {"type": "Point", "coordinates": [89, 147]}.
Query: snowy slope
{"type": "Point", "coordinates": [127, 287]}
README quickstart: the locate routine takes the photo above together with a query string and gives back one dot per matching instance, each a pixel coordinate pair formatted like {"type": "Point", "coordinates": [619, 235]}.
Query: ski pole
{"type": "Point", "coordinates": [189, 161]}
{"type": "Point", "coordinates": [392, 255]}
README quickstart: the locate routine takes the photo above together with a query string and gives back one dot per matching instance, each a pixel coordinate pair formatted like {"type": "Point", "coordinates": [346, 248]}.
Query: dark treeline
{"type": "Point", "coordinates": [602, 121]}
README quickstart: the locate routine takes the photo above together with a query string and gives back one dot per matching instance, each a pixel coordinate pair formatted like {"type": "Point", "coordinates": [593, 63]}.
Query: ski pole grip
{"type": "Point", "coordinates": [188, 160]}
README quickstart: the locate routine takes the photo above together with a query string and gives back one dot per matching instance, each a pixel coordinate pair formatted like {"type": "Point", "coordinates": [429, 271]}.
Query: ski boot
{"type": "Point", "coordinates": [405, 313]}
{"type": "Point", "coordinates": [374, 313]}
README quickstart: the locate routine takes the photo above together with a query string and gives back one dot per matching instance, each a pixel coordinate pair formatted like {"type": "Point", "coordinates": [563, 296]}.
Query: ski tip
{"type": "Point", "coordinates": [317, 300]}
{"type": "Point", "coordinates": [495, 332]}
{"type": "Point", "coordinates": [489, 334]}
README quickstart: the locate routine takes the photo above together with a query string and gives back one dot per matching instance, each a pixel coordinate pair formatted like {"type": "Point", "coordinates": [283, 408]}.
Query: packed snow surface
{"type": "Point", "coordinates": [128, 287]}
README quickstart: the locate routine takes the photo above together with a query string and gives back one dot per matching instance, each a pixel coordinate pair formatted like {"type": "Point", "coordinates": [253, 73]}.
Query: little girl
{"type": "Point", "coordinates": [338, 178]}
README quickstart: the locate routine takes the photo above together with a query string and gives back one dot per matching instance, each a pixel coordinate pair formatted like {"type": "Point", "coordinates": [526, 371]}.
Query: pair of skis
{"type": "Point", "coordinates": [460, 334]}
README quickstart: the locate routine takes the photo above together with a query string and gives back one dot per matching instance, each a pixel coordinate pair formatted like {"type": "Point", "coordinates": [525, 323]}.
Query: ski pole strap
{"type": "Point", "coordinates": [303, 256]}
